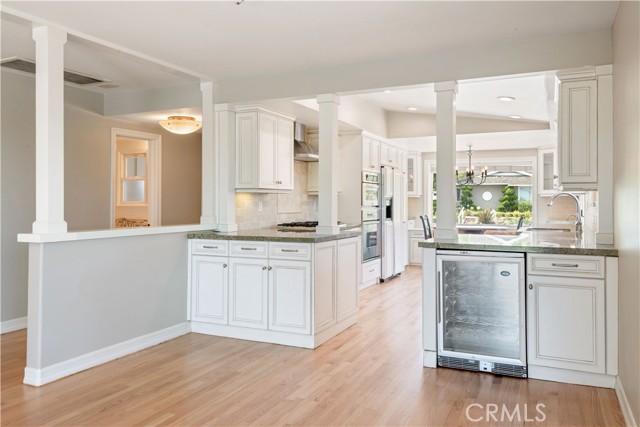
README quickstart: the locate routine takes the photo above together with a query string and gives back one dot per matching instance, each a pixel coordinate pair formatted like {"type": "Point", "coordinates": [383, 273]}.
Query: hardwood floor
{"type": "Point", "coordinates": [371, 374]}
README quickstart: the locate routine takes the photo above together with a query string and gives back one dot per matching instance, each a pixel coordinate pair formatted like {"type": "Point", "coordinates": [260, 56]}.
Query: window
{"type": "Point", "coordinates": [133, 179]}
{"type": "Point", "coordinates": [524, 193]}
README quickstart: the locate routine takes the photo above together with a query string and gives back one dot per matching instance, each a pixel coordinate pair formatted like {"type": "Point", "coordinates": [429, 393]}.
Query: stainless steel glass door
{"type": "Point", "coordinates": [482, 308]}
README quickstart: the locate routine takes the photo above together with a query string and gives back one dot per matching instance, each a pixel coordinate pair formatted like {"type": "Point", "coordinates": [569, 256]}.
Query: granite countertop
{"type": "Point", "coordinates": [273, 235]}
{"type": "Point", "coordinates": [547, 242]}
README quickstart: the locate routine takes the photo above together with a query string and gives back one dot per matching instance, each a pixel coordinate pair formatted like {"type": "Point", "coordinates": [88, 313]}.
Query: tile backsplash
{"type": "Point", "coordinates": [264, 210]}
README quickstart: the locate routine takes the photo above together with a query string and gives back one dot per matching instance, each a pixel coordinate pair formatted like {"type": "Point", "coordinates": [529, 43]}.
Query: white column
{"type": "Point", "coordinates": [226, 177]}
{"type": "Point", "coordinates": [604, 235]}
{"type": "Point", "coordinates": [49, 130]}
{"type": "Point", "coordinates": [446, 160]}
{"type": "Point", "coordinates": [328, 167]}
{"type": "Point", "coordinates": [209, 157]}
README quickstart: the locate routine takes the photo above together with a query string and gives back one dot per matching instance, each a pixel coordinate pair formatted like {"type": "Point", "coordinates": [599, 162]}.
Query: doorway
{"type": "Point", "coordinates": [135, 179]}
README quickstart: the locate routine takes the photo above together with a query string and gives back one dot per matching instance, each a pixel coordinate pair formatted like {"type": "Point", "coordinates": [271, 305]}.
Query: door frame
{"type": "Point", "coordinates": [154, 178]}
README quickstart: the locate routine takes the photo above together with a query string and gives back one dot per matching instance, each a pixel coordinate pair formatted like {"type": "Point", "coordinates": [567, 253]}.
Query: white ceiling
{"type": "Point", "coordinates": [530, 139]}
{"type": "Point", "coordinates": [222, 40]}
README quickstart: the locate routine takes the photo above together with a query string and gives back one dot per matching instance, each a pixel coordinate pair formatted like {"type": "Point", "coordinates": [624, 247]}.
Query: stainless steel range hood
{"type": "Point", "coordinates": [302, 150]}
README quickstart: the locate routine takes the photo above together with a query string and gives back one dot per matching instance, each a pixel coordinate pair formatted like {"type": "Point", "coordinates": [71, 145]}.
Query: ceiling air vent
{"type": "Point", "coordinates": [29, 66]}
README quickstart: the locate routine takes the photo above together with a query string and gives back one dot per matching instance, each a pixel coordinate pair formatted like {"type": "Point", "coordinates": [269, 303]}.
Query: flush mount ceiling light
{"type": "Point", "coordinates": [506, 98]}
{"type": "Point", "coordinates": [515, 116]}
{"type": "Point", "coordinates": [181, 125]}
{"type": "Point", "coordinates": [412, 109]}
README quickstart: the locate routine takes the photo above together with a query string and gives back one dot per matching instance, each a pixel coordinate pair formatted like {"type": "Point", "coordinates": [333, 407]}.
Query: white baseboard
{"type": "Point", "coordinates": [571, 377]}
{"type": "Point", "coordinates": [13, 325]}
{"type": "Point", "coordinates": [624, 405]}
{"type": "Point", "coordinates": [250, 334]}
{"type": "Point", "coordinates": [38, 377]}
{"type": "Point", "coordinates": [429, 359]}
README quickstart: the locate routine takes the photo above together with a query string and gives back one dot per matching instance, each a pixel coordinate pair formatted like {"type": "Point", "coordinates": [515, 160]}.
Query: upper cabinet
{"type": "Point", "coordinates": [264, 151]}
{"type": "Point", "coordinates": [370, 155]}
{"type": "Point", "coordinates": [414, 175]}
{"type": "Point", "coordinates": [389, 156]}
{"type": "Point", "coordinates": [578, 132]}
{"type": "Point", "coordinates": [547, 171]}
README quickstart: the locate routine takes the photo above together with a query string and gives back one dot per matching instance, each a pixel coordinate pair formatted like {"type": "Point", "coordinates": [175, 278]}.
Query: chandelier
{"type": "Point", "coordinates": [469, 177]}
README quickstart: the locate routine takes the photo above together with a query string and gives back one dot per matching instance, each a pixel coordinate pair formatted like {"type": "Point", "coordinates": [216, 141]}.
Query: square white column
{"type": "Point", "coordinates": [328, 164]}
{"type": "Point", "coordinates": [209, 157]}
{"type": "Point", "coordinates": [49, 130]}
{"type": "Point", "coordinates": [226, 182]}
{"type": "Point", "coordinates": [446, 160]}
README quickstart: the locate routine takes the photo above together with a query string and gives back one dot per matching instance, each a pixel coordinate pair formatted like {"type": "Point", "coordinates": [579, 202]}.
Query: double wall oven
{"type": "Point", "coordinates": [371, 218]}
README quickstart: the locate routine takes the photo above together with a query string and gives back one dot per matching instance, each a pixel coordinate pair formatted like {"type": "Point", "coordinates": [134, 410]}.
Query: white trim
{"type": "Point", "coordinates": [250, 334]}
{"type": "Point", "coordinates": [109, 234]}
{"type": "Point", "coordinates": [13, 325]}
{"type": "Point", "coordinates": [429, 359]}
{"type": "Point", "coordinates": [571, 377]}
{"type": "Point", "coordinates": [629, 420]}
{"type": "Point", "coordinates": [38, 377]}
{"type": "Point", "coordinates": [154, 178]}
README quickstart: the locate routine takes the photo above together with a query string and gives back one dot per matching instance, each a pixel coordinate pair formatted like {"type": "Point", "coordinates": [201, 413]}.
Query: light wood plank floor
{"type": "Point", "coordinates": [371, 374]}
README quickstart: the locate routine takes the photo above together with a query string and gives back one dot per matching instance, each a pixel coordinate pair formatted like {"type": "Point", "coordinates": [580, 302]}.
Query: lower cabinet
{"type": "Point", "coordinates": [209, 278]}
{"type": "Point", "coordinates": [566, 323]}
{"type": "Point", "coordinates": [248, 292]}
{"type": "Point", "coordinates": [415, 252]}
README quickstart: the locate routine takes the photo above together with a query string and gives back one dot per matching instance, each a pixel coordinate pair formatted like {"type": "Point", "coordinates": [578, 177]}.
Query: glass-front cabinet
{"type": "Point", "coordinates": [414, 175]}
{"type": "Point", "coordinates": [547, 171]}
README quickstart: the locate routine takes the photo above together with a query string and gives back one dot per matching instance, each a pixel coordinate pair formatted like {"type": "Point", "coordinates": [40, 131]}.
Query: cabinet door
{"type": "Point", "coordinates": [579, 134]}
{"type": "Point", "coordinates": [209, 281]}
{"type": "Point", "coordinates": [246, 150]}
{"type": "Point", "coordinates": [324, 283]}
{"type": "Point", "coordinates": [290, 296]}
{"type": "Point", "coordinates": [566, 323]}
{"type": "Point", "coordinates": [349, 260]}
{"type": "Point", "coordinates": [267, 142]}
{"type": "Point", "coordinates": [374, 155]}
{"type": "Point", "coordinates": [366, 154]}
{"type": "Point", "coordinates": [284, 154]}
{"type": "Point", "coordinates": [248, 292]}
{"type": "Point", "coordinates": [415, 257]}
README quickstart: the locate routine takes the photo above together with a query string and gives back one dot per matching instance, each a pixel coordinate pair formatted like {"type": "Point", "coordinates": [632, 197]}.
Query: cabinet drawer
{"type": "Point", "coordinates": [248, 249]}
{"type": "Point", "coordinates": [416, 234]}
{"type": "Point", "coordinates": [299, 251]}
{"type": "Point", "coordinates": [570, 266]}
{"type": "Point", "coordinates": [370, 270]}
{"type": "Point", "coordinates": [210, 247]}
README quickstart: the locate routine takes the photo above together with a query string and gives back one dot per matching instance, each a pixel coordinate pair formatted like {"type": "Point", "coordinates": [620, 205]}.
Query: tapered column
{"type": "Point", "coordinates": [209, 157]}
{"type": "Point", "coordinates": [446, 160]}
{"type": "Point", "coordinates": [328, 167]}
{"type": "Point", "coordinates": [49, 130]}
{"type": "Point", "coordinates": [226, 177]}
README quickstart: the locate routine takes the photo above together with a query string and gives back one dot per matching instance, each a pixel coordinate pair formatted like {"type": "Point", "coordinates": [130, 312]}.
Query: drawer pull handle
{"type": "Point", "coordinates": [290, 250]}
{"type": "Point", "coordinates": [249, 249]}
{"type": "Point", "coordinates": [560, 264]}
{"type": "Point", "coordinates": [210, 247]}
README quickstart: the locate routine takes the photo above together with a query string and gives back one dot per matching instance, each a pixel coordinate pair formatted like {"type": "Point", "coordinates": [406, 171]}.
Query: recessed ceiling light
{"type": "Point", "coordinates": [387, 91]}
{"type": "Point", "coordinates": [412, 109]}
{"type": "Point", "coordinates": [506, 98]}
{"type": "Point", "coordinates": [515, 116]}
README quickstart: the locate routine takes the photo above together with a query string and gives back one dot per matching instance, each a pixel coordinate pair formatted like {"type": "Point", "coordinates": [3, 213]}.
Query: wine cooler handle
{"type": "Point", "coordinates": [438, 298]}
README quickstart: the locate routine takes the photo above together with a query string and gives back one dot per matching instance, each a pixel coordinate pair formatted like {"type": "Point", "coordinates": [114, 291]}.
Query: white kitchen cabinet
{"type": "Point", "coordinates": [402, 160]}
{"type": "Point", "coordinates": [290, 296]}
{"type": "Point", "coordinates": [348, 278]}
{"type": "Point", "coordinates": [566, 323]}
{"type": "Point", "coordinates": [264, 151]}
{"type": "Point", "coordinates": [389, 155]}
{"type": "Point", "coordinates": [415, 252]}
{"type": "Point", "coordinates": [209, 286]}
{"type": "Point", "coordinates": [578, 134]}
{"type": "Point", "coordinates": [326, 254]}
{"type": "Point", "coordinates": [547, 171]}
{"type": "Point", "coordinates": [414, 175]}
{"type": "Point", "coordinates": [248, 292]}
{"type": "Point", "coordinates": [370, 155]}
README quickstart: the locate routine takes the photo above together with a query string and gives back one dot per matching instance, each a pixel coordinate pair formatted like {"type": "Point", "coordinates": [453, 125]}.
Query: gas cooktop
{"type": "Point", "coordinates": [308, 224]}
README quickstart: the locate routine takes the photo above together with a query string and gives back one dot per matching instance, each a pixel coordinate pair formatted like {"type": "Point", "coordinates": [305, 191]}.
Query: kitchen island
{"type": "Point", "coordinates": [569, 287]}
{"type": "Point", "coordinates": [291, 288]}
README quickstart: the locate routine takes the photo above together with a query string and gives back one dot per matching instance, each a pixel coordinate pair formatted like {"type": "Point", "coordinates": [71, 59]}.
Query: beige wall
{"type": "Point", "coordinates": [277, 208]}
{"type": "Point", "coordinates": [87, 178]}
{"type": "Point", "coordinates": [626, 133]}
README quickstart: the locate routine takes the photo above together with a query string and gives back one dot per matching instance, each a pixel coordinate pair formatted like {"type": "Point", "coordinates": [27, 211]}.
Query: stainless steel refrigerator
{"type": "Point", "coordinates": [394, 250]}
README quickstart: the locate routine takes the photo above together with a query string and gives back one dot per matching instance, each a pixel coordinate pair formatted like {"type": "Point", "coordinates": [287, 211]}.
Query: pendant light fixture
{"type": "Point", "coordinates": [181, 124]}
{"type": "Point", "coordinates": [470, 177]}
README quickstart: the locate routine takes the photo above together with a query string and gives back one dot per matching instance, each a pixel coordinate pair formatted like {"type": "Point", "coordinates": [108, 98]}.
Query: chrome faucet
{"type": "Point", "coordinates": [578, 210]}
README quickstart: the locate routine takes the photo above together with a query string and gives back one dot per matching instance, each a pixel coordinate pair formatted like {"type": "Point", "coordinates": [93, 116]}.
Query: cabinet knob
{"type": "Point", "coordinates": [224, 265]}
{"type": "Point", "coordinates": [264, 267]}
{"type": "Point", "coordinates": [270, 268]}
{"type": "Point", "coordinates": [530, 286]}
